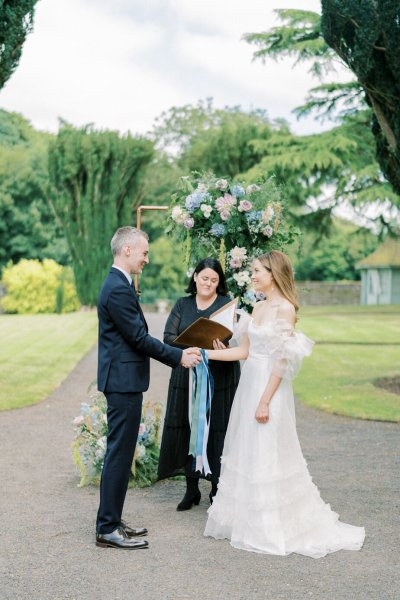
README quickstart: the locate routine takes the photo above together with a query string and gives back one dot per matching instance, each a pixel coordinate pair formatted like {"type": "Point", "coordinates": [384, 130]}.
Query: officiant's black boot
{"type": "Point", "coordinates": [214, 490]}
{"type": "Point", "coordinates": [192, 495]}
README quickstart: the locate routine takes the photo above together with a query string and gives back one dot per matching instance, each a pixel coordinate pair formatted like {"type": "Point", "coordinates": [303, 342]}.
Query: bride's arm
{"type": "Point", "coordinates": [239, 353]}
{"type": "Point", "coordinates": [262, 412]}
{"type": "Point", "coordinates": [274, 381]}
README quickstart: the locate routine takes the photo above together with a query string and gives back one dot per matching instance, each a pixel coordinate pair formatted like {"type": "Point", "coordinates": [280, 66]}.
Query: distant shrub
{"type": "Point", "coordinates": [34, 287]}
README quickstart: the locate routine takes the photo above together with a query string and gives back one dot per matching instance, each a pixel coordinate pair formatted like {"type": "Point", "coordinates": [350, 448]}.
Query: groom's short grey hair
{"type": "Point", "coordinates": [125, 236]}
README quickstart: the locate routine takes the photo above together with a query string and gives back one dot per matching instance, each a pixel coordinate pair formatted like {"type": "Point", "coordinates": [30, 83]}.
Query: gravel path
{"type": "Point", "coordinates": [47, 533]}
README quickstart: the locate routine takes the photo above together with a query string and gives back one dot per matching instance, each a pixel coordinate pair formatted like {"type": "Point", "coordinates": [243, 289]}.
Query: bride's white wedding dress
{"type": "Point", "coordinates": [266, 500]}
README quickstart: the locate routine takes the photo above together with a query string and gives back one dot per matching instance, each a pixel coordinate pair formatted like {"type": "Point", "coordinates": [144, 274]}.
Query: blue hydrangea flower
{"type": "Point", "coordinates": [218, 230]}
{"type": "Point", "coordinates": [237, 191]}
{"type": "Point", "coordinates": [249, 295]}
{"type": "Point", "coordinates": [194, 200]}
{"type": "Point", "coordinates": [254, 215]}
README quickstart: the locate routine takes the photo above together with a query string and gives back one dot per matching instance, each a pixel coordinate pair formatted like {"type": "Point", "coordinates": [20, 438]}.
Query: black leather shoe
{"type": "Point", "coordinates": [119, 539]}
{"type": "Point", "coordinates": [188, 501]}
{"type": "Point", "coordinates": [133, 531]}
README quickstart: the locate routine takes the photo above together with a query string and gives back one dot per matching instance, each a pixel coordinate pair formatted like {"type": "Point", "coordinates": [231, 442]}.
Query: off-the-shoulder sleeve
{"type": "Point", "coordinates": [240, 328]}
{"type": "Point", "coordinates": [289, 347]}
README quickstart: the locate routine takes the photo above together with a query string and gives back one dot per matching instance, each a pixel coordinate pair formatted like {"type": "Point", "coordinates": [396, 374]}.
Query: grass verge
{"type": "Point", "coordinates": [355, 345]}
{"type": "Point", "coordinates": [38, 351]}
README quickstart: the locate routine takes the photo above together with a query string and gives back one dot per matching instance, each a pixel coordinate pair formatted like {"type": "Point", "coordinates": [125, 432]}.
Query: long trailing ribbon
{"type": "Point", "coordinates": [201, 390]}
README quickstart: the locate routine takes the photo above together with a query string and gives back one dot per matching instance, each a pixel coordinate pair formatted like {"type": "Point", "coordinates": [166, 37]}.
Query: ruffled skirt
{"type": "Point", "coordinates": [266, 500]}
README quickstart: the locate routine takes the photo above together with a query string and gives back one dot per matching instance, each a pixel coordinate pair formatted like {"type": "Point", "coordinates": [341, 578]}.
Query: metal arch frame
{"type": "Point", "coordinates": [138, 225]}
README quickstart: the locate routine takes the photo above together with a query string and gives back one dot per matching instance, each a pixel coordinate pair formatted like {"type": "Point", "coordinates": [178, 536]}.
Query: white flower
{"type": "Point", "coordinates": [202, 187]}
{"type": "Point", "coordinates": [268, 231]}
{"type": "Point", "coordinates": [242, 278]}
{"type": "Point", "coordinates": [105, 418]}
{"type": "Point", "coordinates": [221, 184]}
{"type": "Point", "coordinates": [179, 215]}
{"type": "Point", "coordinates": [268, 213]}
{"type": "Point", "coordinates": [238, 253]}
{"type": "Point", "coordinates": [206, 210]}
{"type": "Point", "coordinates": [253, 187]}
{"type": "Point", "coordinates": [78, 420]}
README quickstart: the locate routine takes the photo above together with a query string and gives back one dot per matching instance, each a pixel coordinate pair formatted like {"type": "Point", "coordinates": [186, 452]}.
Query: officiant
{"type": "Point", "coordinates": [207, 293]}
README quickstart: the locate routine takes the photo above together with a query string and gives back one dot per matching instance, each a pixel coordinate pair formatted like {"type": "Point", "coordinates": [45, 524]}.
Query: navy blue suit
{"type": "Point", "coordinates": [125, 348]}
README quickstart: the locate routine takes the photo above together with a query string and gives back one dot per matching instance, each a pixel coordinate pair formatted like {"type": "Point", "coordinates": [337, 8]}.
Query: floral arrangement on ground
{"type": "Point", "coordinates": [229, 221]}
{"type": "Point", "coordinates": [90, 443]}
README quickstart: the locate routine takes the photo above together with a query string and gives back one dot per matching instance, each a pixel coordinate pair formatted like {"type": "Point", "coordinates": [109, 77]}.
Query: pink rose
{"type": "Point", "coordinates": [225, 214]}
{"type": "Point", "coordinates": [245, 206]}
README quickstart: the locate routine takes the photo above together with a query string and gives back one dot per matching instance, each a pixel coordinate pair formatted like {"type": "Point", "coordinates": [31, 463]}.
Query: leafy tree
{"type": "Point", "coordinates": [28, 228]}
{"type": "Point", "coordinates": [16, 21]}
{"type": "Point", "coordinates": [225, 147]}
{"type": "Point", "coordinates": [342, 159]}
{"type": "Point", "coordinates": [204, 138]}
{"type": "Point", "coordinates": [366, 37]}
{"type": "Point", "coordinates": [165, 275]}
{"type": "Point", "coordinates": [334, 258]}
{"type": "Point", "coordinates": [96, 179]}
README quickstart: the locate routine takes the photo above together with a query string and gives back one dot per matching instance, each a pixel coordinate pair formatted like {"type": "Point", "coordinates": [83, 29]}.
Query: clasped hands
{"type": "Point", "coordinates": [190, 357]}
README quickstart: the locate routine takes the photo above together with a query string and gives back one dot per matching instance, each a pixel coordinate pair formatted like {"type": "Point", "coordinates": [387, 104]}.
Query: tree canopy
{"type": "Point", "coordinates": [366, 35]}
{"type": "Point", "coordinates": [28, 228]}
{"type": "Point", "coordinates": [361, 179]}
{"type": "Point", "coordinates": [16, 21]}
{"type": "Point", "coordinates": [96, 178]}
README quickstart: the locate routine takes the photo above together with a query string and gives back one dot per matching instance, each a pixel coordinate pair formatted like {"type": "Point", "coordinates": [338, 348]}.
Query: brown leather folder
{"type": "Point", "coordinates": [202, 332]}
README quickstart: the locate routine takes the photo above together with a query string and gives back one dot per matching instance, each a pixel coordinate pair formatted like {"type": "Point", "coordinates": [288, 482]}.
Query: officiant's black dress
{"type": "Point", "coordinates": [174, 459]}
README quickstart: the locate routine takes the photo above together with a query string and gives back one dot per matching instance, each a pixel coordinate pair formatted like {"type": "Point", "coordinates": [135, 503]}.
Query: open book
{"type": "Point", "coordinates": [202, 332]}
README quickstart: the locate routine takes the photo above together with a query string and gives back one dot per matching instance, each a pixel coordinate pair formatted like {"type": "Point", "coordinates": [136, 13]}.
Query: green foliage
{"type": "Point", "coordinates": [39, 287]}
{"type": "Point", "coordinates": [90, 443]}
{"type": "Point", "coordinates": [16, 22]}
{"type": "Point", "coordinates": [333, 258]}
{"type": "Point", "coordinates": [225, 147]}
{"type": "Point", "coordinates": [299, 36]}
{"type": "Point", "coordinates": [344, 158]}
{"type": "Point", "coordinates": [205, 138]}
{"type": "Point", "coordinates": [355, 346]}
{"type": "Point", "coordinates": [28, 228]}
{"type": "Point", "coordinates": [96, 179]}
{"type": "Point", "coordinates": [37, 352]}
{"type": "Point", "coordinates": [165, 275]}
{"type": "Point", "coordinates": [366, 37]}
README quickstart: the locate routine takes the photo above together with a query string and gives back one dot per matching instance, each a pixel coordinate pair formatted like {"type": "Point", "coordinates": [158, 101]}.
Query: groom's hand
{"type": "Point", "coordinates": [190, 357]}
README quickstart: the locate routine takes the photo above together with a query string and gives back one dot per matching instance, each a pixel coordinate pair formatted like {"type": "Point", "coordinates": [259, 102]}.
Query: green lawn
{"type": "Point", "coordinates": [38, 351]}
{"type": "Point", "coordinates": [355, 345]}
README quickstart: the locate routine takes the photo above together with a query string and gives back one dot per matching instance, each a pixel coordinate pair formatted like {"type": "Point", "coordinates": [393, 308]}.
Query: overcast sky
{"type": "Point", "coordinates": [120, 63]}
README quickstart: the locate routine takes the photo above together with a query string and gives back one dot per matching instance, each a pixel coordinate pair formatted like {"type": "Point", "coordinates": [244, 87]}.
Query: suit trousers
{"type": "Point", "coordinates": [123, 414]}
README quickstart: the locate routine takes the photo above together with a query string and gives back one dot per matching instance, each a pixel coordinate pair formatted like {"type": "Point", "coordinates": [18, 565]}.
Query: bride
{"type": "Point", "coordinates": [266, 500]}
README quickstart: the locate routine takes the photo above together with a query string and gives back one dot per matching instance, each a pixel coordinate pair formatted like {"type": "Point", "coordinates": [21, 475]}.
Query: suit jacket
{"type": "Point", "coordinates": [125, 346]}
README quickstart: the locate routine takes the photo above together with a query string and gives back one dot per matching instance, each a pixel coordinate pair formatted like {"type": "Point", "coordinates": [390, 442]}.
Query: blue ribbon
{"type": "Point", "coordinates": [200, 411]}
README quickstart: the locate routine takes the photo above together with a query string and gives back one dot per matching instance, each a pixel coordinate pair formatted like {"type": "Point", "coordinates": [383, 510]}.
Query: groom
{"type": "Point", "coordinates": [125, 348]}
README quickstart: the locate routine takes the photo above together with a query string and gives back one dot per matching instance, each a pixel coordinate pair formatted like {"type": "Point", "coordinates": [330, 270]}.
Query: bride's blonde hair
{"type": "Point", "coordinates": [282, 271]}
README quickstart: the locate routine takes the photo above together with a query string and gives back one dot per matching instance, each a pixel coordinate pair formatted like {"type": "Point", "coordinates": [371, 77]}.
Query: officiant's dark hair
{"type": "Point", "coordinates": [215, 265]}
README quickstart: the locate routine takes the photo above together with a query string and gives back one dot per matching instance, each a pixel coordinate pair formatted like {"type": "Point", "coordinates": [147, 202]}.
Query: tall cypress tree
{"type": "Point", "coordinates": [16, 21]}
{"type": "Point", "coordinates": [366, 36]}
{"type": "Point", "coordinates": [96, 179]}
